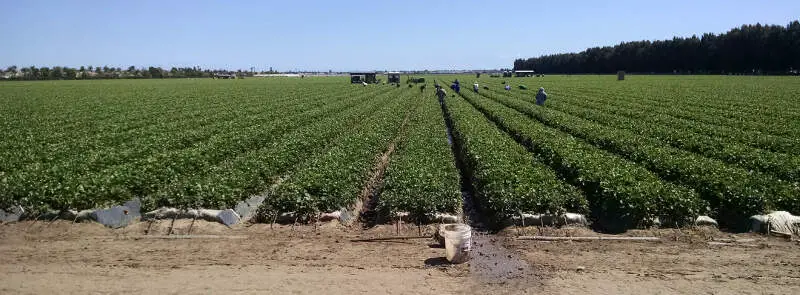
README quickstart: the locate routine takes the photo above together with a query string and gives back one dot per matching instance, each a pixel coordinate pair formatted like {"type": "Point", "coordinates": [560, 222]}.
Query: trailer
{"type": "Point", "coordinates": [363, 77]}
{"type": "Point", "coordinates": [393, 77]}
{"type": "Point", "coordinates": [524, 73]}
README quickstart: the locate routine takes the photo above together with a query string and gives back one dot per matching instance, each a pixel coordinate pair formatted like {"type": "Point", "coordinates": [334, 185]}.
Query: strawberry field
{"type": "Point", "coordinates": [648, 150]}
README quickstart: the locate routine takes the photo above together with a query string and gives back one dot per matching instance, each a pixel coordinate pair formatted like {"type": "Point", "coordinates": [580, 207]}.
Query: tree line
{"type": "Point", "coordinates": [750, 49]}
{"type": "Point", "coordinates": [105, 72]}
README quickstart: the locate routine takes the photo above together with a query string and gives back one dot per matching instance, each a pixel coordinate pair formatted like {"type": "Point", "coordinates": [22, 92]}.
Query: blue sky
{"type": "Point", "coordinates": [348, 35]}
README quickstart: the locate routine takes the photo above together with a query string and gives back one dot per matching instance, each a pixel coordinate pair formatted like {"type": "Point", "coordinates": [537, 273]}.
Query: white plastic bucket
{"type": "Point", "coordinates": [457, 242]}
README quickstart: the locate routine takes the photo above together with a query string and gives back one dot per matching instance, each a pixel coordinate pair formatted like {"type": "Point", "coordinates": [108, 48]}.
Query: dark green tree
{"type": "Point", "coordinates": [751, 49]}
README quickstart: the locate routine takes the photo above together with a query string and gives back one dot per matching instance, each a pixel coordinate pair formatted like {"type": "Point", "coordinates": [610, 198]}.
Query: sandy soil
{"type": "Point", "coordinates": [682, 263]}
{"type": "Point", "coordinates": [61, 257]}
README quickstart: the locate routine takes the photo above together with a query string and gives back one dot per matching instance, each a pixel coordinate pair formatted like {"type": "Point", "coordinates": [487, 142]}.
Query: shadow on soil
{"type": "Point", "coordinates": [436, 261]}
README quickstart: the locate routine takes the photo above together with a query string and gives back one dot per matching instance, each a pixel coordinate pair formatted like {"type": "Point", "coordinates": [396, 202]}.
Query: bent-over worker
{"type": "Point", "coordinates": [441, 93]}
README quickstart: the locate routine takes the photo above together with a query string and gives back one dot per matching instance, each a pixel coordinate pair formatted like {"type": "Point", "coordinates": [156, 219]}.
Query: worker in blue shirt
{"type": "Point", "coordinates": [456, 86]}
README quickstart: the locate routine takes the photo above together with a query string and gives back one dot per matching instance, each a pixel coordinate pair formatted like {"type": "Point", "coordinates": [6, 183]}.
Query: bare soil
{"type": "Point", "coordinates": [65, 258]}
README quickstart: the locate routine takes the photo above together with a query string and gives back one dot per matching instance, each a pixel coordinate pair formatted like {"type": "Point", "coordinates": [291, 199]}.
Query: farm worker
{"type": "Point", "coordinates": [364, 83]}
{"type": "Point", "coordinates": [441, 93]}
{"type": "Point", "coordinates": [475, 87]}
{"type": "Point", "coordinates": [456, 87]}
{"type": "Point", "coordinates": [508, 87]}
{"type": "Point", "coordinates": [541, 96]}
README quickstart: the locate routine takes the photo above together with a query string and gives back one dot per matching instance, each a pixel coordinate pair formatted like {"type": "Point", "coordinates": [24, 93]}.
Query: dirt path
{"type": "Point", "coordinates": [87, 258]}
{"type": "Point", "coordinates": [66, 258]}
{"type": "Point", "coordinates": [682, 263]}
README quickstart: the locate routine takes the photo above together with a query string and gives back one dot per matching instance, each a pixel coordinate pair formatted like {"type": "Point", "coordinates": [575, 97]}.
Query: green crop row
{"type": "Point", "coordinates": [254, 171]}
{"type": "Point", "coordinates": [507, 179]}
{"type": "Point", "coordinates": [146, 167]}
{"type": "Point", "coordinates": [661, 116]}
{"type": "Point", "coordinates": [779, 124]}
{"type": "Point", "coordinates": [333, 180]}
{"type": "Point", "coordinates": [621, 194]}
{"type": "Point", "coordinates": [109, 125]}
{"type": "Point", "coordinates": [657, 116]}
{"type": "Point", "coordinates": [764, 106]}
{"type": "Point", "coordinates": [168, 132]}
{"type": "Point", "coordinates": [784, 166]}
{"type": "Point", "coordinates": [734, 193]}
{"type": "Point", "coordinates": [422, 177]}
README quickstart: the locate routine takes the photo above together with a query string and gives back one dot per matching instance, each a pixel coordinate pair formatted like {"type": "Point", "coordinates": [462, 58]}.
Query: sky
{"type": "Point", "coordinates": [351, 35]}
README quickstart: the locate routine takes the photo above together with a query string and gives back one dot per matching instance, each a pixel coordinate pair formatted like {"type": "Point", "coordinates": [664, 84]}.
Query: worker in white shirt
{"type": "Point", "coordinates": [541, 96]}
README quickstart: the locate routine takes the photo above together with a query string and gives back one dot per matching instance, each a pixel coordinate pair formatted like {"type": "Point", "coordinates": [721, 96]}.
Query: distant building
{"type": "Point", "coordinates": [277, 75]}
{"type": "Point", "coordinates": [369, 77]}
{"type": "Point", "coordinates": [524, 73]}
{"type": "Point", "coordinates": [224, 76]}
